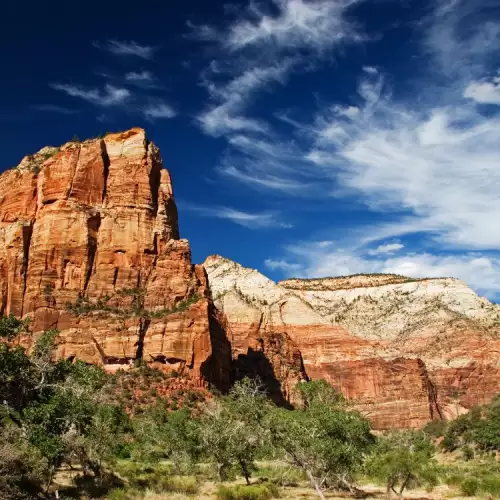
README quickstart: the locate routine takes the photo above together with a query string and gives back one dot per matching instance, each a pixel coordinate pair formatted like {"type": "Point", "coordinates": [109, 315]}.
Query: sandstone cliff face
{"type": "Point", "coordinates": [395, 391]}
{"type": "Point", "coordinates": [89, 244]}
{"type": "Point", "coordinates": [389, 306]}
{"type": "Point", "coordinates": [442, 322]}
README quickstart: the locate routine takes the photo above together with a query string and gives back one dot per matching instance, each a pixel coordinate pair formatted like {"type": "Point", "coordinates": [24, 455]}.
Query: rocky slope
{"type": "Point", "coordinates": [410, 350]}
{"type": "Point", "coordinates": [442, 322]}
{"type": "Point", "coordinates": [389, 306]}
{"type": "Point", "coordinates": [89, 244]}
{"type": "Point", "coordinates": [393, 390]}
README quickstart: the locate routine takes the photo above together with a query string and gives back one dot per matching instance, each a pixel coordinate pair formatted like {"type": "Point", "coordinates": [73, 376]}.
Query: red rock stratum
{"type": "Point", "coordinates": [89, 244]}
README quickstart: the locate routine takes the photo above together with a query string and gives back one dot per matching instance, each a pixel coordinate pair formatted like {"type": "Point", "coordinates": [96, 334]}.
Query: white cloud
{"type": "Point", "coordinates": [108, 96]}
{"type": "Point", "coordinates": [233, 97]}
{"type": "Point", "coordinates": [389, 248]}
{"type": "Point", "coordinates": [158, 111]}
{"type": "Point", "coordinates": [438, 164]}
{"type": "Point", "coordinates": [251, 220]}
{"type": "Point", "coordinates": [262, 46]}
{"type": "Point", "coordinates": [370, 69]}
{"type": "Point", "coordinates": [139, 76]}
{"type": "Point", "coordinates": [281, 265]}
{"type": "Point", "coordinates": [317, 25]}
{"type": "Point", "coordinates": [248, 174]}
{"type": "Point", "coordinates": [484, 92]}
{"type": "Point", "coordinates": [127, 48]}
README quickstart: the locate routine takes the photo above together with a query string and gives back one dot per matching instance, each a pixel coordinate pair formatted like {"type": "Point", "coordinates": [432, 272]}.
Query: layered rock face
{"type": "Point", "coordinates": [89, 244]}
{"type": "Point", "coordinates": [393, 390]}
{"type": "Point", "coordinates": [440, 322]}
{"type": "Point", "coordinates": [405, 351]}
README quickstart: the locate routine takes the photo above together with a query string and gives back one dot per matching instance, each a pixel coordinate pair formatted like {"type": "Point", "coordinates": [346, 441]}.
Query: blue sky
{"type": "Point", "coordinates": [305, 138]}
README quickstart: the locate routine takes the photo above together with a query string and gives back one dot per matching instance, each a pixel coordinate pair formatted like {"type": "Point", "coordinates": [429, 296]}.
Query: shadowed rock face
{"type": "Point", "coordinates": [95, 224]}
{"type": "Point", "coordinates": [405, 351]}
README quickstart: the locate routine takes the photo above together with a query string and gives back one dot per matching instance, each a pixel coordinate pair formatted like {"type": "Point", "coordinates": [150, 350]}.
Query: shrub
{"type": "Point", "coordinates": [179, 484]}
{"type": "Point", "coordinates": [469, 486]}
{"type": "Point", "coordinates": [435, 428]}
{"type": "Point", "coordinates": [263, 491]}
{"type": "Point", "coordinates": [491, 485]}
{"type": "Point", "coordinates": [467, 452]}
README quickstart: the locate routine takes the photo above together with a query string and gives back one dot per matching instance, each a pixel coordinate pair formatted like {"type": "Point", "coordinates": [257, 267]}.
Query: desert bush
{"type": "Point", "coordinates": [435, 428]}
{"type": "Point", "coordinates": [469, 486]}
{"type": "Point", "coordinates": [264, 491]}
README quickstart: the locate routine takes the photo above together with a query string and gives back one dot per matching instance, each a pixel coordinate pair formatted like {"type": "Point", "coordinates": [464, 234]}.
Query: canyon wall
{"type": "Point", "coordinates": [89, 245]}
{"type": "Point", "coordinates": [404, 351]}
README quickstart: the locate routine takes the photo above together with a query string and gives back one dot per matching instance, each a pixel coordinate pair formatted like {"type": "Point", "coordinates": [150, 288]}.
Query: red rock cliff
{"type": "Point", "coordinates": [89, 244]}
{"type": "Point", "coordinates": [403, 351]}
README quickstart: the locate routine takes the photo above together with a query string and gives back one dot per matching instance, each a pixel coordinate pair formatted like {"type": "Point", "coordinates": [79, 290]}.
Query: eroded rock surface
{"type": "Point", "coordinates": [89, 244]}
{"type": "Point", "coordinates": [405, 351]}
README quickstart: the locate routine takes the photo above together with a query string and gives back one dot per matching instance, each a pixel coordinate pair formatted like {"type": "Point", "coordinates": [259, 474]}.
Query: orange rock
{"type": "Point", "coordinates": [95, 223]}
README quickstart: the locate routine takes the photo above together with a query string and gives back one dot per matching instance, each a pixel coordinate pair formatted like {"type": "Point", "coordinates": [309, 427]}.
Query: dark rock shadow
{"type": "Point", "coordinates": [255, 365]}
{"type": "Point", "coordinates": [217, 369]}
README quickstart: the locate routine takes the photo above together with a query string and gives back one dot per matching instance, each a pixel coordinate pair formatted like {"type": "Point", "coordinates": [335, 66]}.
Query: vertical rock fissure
{"type": "Point", "coordinates": [93, 225]}
{"type": "Point", "coordinates": [27, 234]}
{"type": "Point", "coordinates": [70, 189]}
{"type": "Point", "coordinates": [154, 185]}
{"type": "Point", "coordinates": [106, 163]}
{"type": "Point", "coordinates": [431, 393]}
{"type": "Point", "coordinates": [143, 328]}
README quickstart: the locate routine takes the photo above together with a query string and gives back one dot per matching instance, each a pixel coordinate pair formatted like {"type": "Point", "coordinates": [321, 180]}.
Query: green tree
{"type": "Point", "coordinates": [161, 433]}
{"type": "Point", "coordinates": [232, 431]}
{"type": "Point", "coordinates": [325, 438]}
{"type": "Point", "coordinates": [486, 430]}
{"type": "Point", "coordinates": [58, 407]}
{"type": "Point", "coordinates": [402, 460]}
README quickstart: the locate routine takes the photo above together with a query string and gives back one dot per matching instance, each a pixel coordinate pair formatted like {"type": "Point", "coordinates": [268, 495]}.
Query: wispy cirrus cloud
{"type": "Point", "coordinates": [252, 220]}
{"type": "Point", "coordinates": [108, 96]}
{"type": "Point", "coordinates": [388, 248]}
{"type": "Point", "coordinates": [127, 48]}
{"type": "Point", "coordinates": [139, 76]}
{"type": "Point", "coordinates": [53, 108]}
{"type": "Point", "coordinates": [231, 99]}
{"type": "Point", "coordinates": [298, 24]}
{"type": "Point", "coordinates": [437, 163]}
{"type": "Point", "coordinates": [158, 110]}
{"type": "Point", "coordinates": [294, 33]}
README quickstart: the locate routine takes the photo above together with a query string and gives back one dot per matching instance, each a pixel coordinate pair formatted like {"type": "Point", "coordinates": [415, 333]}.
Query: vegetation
{"type": "Point", "coordinates": [263, 491]}
{"type": "Point", "coordinates": [323, 438]}
{"type": "Point", "coordinates": [403, 460]}
{"type": "Point", "coordinates": [126, 303]}
{"type": "Point", "coordinates": [147, 434]}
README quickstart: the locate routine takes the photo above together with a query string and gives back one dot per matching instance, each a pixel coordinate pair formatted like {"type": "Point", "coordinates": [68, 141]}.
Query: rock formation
{"type": "Point", "coordinates": [405, 351]}
{"type": "Point", "coordinates": [89, 244]}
